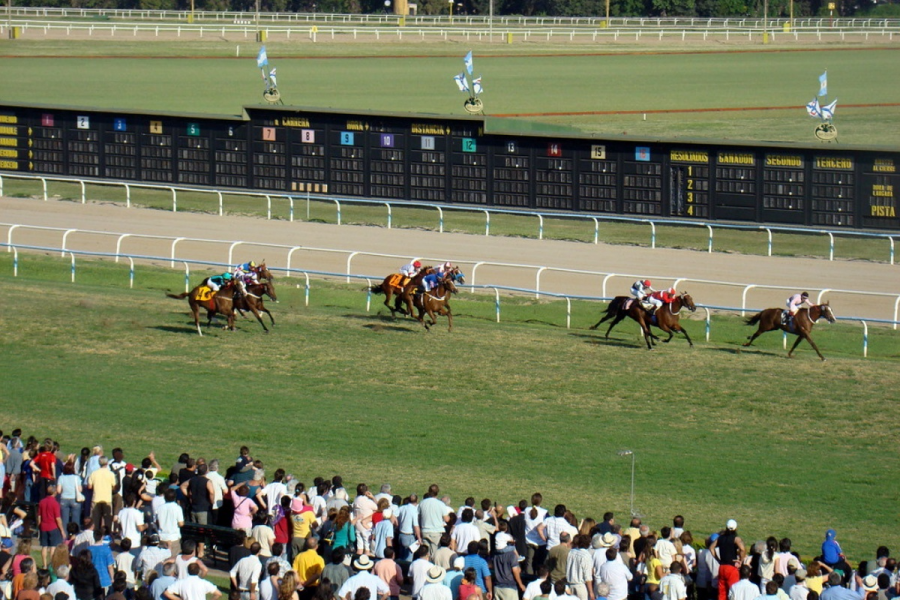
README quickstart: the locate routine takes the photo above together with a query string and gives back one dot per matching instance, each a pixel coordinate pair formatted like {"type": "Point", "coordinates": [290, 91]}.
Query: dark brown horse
{"type": "Point", "coordinates": [252, 300]}
{"type": "Point", "coordinates": [220, 302]}
{"type": "Point", "coordinates": [801, 325]}
{"type": "Point", "coordinates": [401, 287]}
{"type": "Point", "coordinates": [436, 302]}
{"type": "Point", "coordinates": [666, 317]}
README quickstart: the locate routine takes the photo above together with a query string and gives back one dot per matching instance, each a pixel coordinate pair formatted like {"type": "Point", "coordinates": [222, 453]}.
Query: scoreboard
{"type": "Point", "coordinates": [464, 160]}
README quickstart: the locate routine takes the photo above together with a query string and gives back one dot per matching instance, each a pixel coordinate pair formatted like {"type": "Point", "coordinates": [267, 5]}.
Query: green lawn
{"type": "Point", "coordinates": [204, 77]}
{"type": "Point", "coordinates": [496, 410]}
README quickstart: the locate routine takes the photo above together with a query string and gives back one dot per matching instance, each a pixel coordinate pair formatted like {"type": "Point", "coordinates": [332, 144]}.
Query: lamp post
{"type": "Point", "coordinates": [631, 454]}
{"type": "Point", "coordinates": [451, 11]}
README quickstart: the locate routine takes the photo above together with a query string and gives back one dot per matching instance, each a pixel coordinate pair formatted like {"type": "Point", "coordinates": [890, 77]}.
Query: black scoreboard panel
{"type": "Point", "coordinates": [880, 187]}
{"type": "Point", "coordinates": [784, 188]}
{"type": "Point", "coordinates": [436, 159]}
{"type": "Point", "coordinates": [689, 183]}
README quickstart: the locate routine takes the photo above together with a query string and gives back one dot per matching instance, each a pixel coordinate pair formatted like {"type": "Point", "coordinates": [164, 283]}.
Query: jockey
{"type": "Point", "coordinates": [793, 305]}
{"type": "Point", "coordinates": [217, 281]}
{"type": "Point", "coordinates": [443, 269]}
{"type": "Point", "coordinates": [410, 270]}
{"type": "Point", "coordinates": [245, 274]}
{"type": "Point", "coordinates": [430, 281]}
{"type": "Point", "coordinates": [641, 290]}
{"type": "Point", "coordinates": [657, 299]}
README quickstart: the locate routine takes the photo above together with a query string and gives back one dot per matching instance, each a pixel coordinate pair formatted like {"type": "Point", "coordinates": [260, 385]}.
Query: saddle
{"type": "Point", "coordinates": [398, 280]}
{"type": "Point", "coordinates": [204, 294]}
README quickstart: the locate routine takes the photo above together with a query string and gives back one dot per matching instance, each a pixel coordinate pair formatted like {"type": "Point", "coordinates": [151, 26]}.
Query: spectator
{"type": "Point", "coordinates": [84, 577]}
{"type": "Point", "coordinates": [192, 587]}
{"type": "Point", "coordinates": [50, 523]}
{"type": "Point", "coordinates": [69, 493]}
{"type": "Point", "coordinates": [364, 580]}
{"type": "Point", "coordinates": [245, 574]}
{"type": "Point", "coordinates": [170, 520]}
{"type": "Point", "coordinates": [390, 573]}
{"type": "Point", "coordinates": [102, 482]}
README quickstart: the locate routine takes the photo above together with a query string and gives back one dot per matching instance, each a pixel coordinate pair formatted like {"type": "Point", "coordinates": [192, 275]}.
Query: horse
{"type": "Point", "coordinates": [803, 321]}
{"type": "Point", "coordinates": [665, 318]}
{"type": "Point", "coordinates": [436, 302]}
{"type": "Point", "coordinates": [252, 300]}
{"type": "Point", "coordinates": [220, 302]}
{"type": "Point", "coordinates": [393, 285]}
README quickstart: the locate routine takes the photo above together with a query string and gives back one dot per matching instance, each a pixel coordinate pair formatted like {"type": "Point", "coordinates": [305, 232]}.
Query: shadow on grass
{"type": "Point", "coordinates": [385, 322]}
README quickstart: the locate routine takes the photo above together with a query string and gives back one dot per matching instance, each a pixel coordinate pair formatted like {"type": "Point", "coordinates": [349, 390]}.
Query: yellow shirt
{"type": "Point", "coordinates": [102, 481]}
{"type": "Point", "coordinates": [815, 583]}
{"type": "Point", "coordinates": [651, 570]}
{"type": "Point", "coordinates": [308, 564]}
{"type": "Point", "coordinates": [303, 523]}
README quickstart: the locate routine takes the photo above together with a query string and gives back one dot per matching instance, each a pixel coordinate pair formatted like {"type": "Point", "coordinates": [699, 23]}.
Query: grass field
{"type": "Point", "coordinates": [500, 410]}
{"type": "Point", "coordinates": [749, 95]}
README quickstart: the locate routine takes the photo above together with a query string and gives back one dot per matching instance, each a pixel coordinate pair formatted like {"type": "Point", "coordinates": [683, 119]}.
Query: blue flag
{"type": "Point", "coordinates": [813, 108]}
{"type": "Point", "coordinates": [468, 61]}
{"type": "Point", "coordinates": [262, 59]}
{"type": "Point", "coordinates": [828, 111]}
{"type": "Point", "coordinates": [823, 84]}
{"type": "Point", "coordinates": [461, 82]}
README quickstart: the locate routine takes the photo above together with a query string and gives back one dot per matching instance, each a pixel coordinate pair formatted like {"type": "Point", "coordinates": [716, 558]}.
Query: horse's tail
{"type": "Point", "coordinates": [376, 289]}
{"type": "Point", "coordinates": [178, 296]}
{"type": "Point", "coordinates": [614, 306]}
{"type": "Point", "coordinates": [754, 319]}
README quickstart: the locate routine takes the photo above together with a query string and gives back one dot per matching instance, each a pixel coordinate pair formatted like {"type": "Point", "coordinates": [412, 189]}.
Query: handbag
{"type": "Point", "coordinates": [79, 497]}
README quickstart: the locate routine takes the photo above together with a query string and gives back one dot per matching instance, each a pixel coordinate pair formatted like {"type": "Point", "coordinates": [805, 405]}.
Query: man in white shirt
{"type": "Point", "coordinates": [131, 521]}
{"type": "Point", "coordinates": [192, 587]}
{"type": "Point", "coordinates": [268, 587]}
{"type": "Point", "coordinates": [62, 584]}
{"type": "Point", "coordinates": [408, 526]}
{"type": "Point", "coordinates": [533, 589]}
{"type": "Point", "coordinates": [555, 525]}
{"type": "Point", "coordinates": [274, 491]}
{"type": "Point", "coordinates": [744, 589]}
{"type": "Point", "coordinates": [151, 557]}
{"type": "Point", "coordinates": [433, 514]}
{"type": "Point", "coordinates": [170, 519]}
{"type": "Point", "coordinates": [418, 571]}
{"type": "Point", "coordinates": [799, 591]}
{"type": "Point", "coordinates": [464, 532]}
{"type": "Point", "coordinates": [378, 589]}
{"type": "Point", "coordinates": [220, 488]}
{"type": "Point", "coordinates": [245, 574]}
{"type": "Point", "coordinates": [616, 575]}
{"type": "Point", "coordinates": [672, 585]}
{"type": "Point", "coordinates": [434, 588]}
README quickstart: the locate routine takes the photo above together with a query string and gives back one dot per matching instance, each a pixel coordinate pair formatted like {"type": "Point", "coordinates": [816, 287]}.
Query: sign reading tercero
{"type": "Point", "coordinates": [732, 158]}
{"type": "Point", "coordinates": [837, 164]}
{"type": "Point", "coordinates": [691, 156]}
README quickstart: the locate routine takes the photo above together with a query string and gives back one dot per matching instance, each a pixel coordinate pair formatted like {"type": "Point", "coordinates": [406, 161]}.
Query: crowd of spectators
{"type": "Point", "coordinates": [89, 526]}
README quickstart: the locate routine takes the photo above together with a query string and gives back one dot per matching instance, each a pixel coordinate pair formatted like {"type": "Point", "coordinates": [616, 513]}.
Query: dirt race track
{"type": "Point", "coordinates": [661, 265]}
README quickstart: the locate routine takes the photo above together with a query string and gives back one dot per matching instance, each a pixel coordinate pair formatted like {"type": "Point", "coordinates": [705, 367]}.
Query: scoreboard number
{"type": "Point", "coordinates": [156, 127]}
{"type": "Point", "coordinates": [268, 134]}
{"type": "Point", "coordinates": [427, 142]}
{"type": "Point", "coordinates": [46, 120]}
{"type": "Point", "coordinates": [554, 150]}
{"type": "Point", "coordinates": [511, 147]}
{"type": "Point", "coordinates": [387, 140]}
{"type": "Point", "coordinates": [193, 129]}
{"type": "Point", "coordinates": [83, 122]}
{"type": "Point", "coordinates": [469, 145]}
{"type": "Point", "coordinates": [598, 152]}
{"type": "Point", "coordinates": [642, 153]}
{"type": "Point", "coordinates": [308, 136]}
{"type": "Point", "coordinates": [119, 125]}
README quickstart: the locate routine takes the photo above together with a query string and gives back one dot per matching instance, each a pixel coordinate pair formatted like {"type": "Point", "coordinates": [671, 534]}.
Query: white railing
{"type": "Point", "coordinates": [20, 12]}
{"type": "Point", "coordinates": [389, 205]}
{"type": "Point", "coordinates": [229, 247]}
{"type": "Point", "coordinates": [247, 30]}
{"type": "Point", "coordinates": [496, 289]}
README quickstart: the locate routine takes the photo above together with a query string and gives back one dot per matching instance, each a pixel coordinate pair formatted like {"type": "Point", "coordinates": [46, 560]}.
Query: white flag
{"type": "Point", "coordinates": [813, 108]}
{"type": "Point", "coordinates": [476, 85]}
{"type": "Point", "coordinates": [828, 111]}
{"type": "Point", "coordinates": [461, 82]}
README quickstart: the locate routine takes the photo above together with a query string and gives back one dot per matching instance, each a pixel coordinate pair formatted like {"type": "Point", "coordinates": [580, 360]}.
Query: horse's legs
{"type": "Point", "coordinates": [613, 324]}
{"type": "Point", "coordinates": [754, 336]}
{"type": "Point", "coordinates": [801, 337]}
{"type": "Point", "coordinates": [686, 336]}
{"type": "Point", "coordinates": [196, 312]}
{"type": "Point", "coordinates": [266, 310]}
{"type": "Point", "coordinates": [255, 310]}
{"type": "Point", "coordinates": [605, 318]}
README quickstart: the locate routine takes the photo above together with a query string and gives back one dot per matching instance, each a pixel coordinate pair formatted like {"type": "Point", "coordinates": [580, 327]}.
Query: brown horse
{"type": "Point", "coordinates": [220, 302]}
{"type": "Point", "coordinates": [402, 287]}
{"type": "Point", "coordinates": [436, 302]}
{"type": "Point", "coordinates": [801, 325]}
{"type": "Point", "coordinates": [665, 318]}
{"type": "Point", "coordinates": [252, 300]}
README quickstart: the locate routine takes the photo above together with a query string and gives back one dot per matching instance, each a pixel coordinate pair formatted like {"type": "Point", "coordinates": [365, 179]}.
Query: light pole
{"type": "Point", "coordinates": [631, 454]}
{"type": "Point", "coordinates": [451, 11]}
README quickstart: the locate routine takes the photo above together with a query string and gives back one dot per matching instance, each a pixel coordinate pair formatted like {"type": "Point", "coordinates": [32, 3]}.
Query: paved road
{"type": "Point", "coordinates": [661, 265]}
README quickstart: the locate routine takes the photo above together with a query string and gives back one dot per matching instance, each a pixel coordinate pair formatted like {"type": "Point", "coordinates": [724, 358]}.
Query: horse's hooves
{"type": "Point", "coordinates": [745, 345]}
{"type": "Point", "coordinates": [592, 328]}
{"type": "Point", "coordinates": [666, 341]}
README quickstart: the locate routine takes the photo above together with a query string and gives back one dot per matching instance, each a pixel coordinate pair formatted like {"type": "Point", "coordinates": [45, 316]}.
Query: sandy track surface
{"type": "Point", "coordinates": [661, 265]}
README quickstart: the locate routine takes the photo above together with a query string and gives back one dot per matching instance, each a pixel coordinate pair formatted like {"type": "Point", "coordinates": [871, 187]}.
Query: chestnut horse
{"type": "Point", "coordinates": [436, 302]}
{"type": "Point", "coordinates": [666, 317]}
{"type": "Point", "coordinates": [220, 302]}
{"type": "Point", "coordinates": [393, 285]}
{"type": "Point", "coordinates": [252, 300]}
{"type": "Point", "coordinates": [801, 326]}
